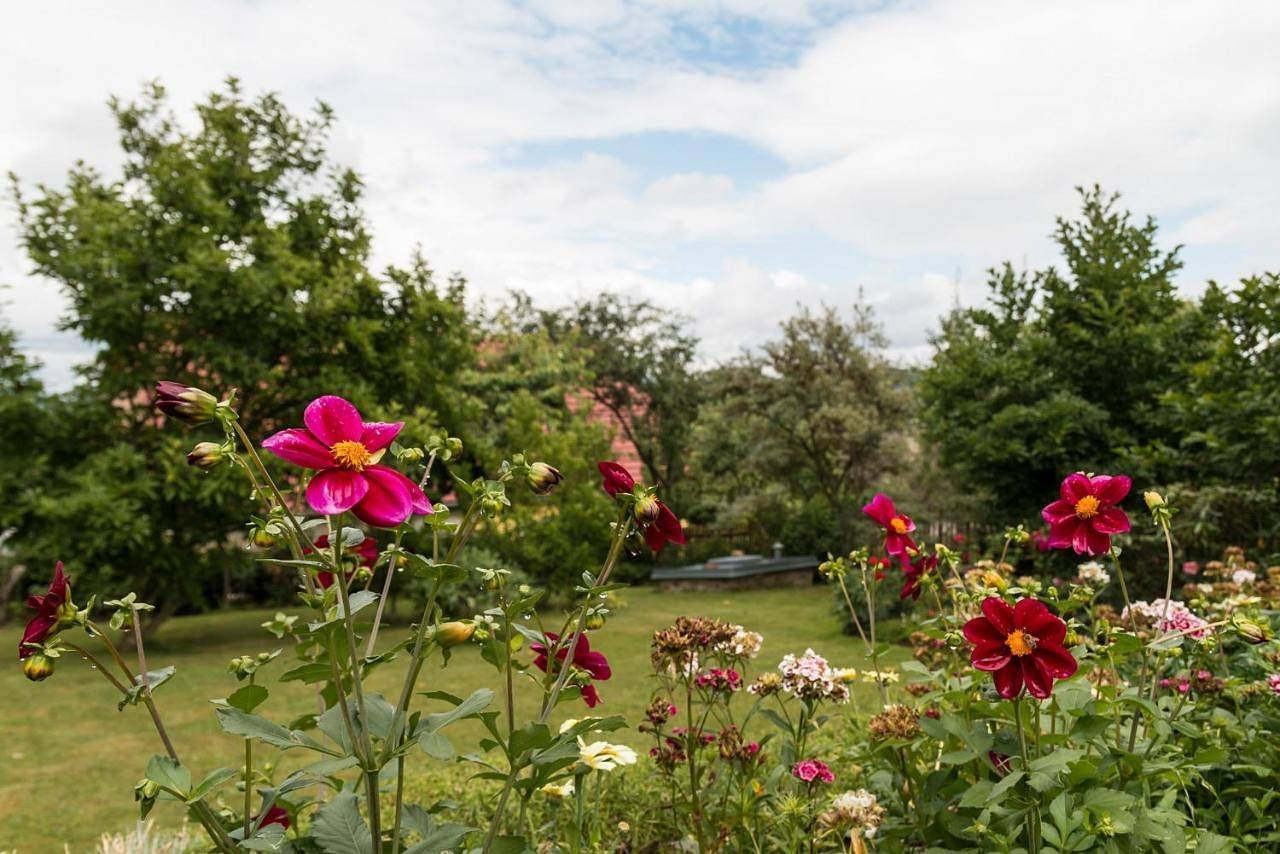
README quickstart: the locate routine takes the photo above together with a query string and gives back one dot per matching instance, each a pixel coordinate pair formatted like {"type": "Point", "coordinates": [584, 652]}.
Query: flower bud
{"type": "Point", "coordinates": [455, 632]}
{"type": "Point", "coordinates": [185, 403]}
{"type": "Point", "coordinates": [264, 539]}
{"type": "Point", "coordinates": [491, 505]}
{"type": "Point", "coordinates": [206, 455]}
{"type": "Point", "coordinates": [1251, 630]}
{"type": "Point", "coordinates": [37, 667]}
{"type": "Point", "coordinates": [647, 509]}
{"type": "Point", "coordinates": [146, 790]}
{"type": "Point", "coordinates": [543, 478]}
{"type": "Point", "coordinates": [595, 621]}
{"type": "Point", "coordinates": [410, 455]}
{"type": "Point", "coordinates": [1153, 499]}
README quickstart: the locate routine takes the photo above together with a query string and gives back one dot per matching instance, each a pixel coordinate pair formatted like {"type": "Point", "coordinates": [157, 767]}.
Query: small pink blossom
{"type": "Point", "coordinates": [813, 771]}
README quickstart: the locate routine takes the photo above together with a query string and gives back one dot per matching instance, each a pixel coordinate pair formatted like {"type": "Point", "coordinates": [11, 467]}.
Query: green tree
{"type": "Point", "coordinates": [229, 253]}
{"type": "Point", "coordinates": [817, 415]}
{"type": "Point", "coordinates": [1060, 371]}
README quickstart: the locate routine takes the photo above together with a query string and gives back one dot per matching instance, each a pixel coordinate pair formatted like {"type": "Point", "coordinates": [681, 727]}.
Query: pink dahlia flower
{"type": "Point", "coordinates": [344, 449]}
{"type": "Point", "coordinates": [1085, 515]}
{"type": "Point", "coordinates": [896, 527]}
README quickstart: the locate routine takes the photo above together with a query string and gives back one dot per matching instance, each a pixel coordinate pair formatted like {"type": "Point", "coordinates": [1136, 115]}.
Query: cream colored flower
{"type": "Point", "coordinates": [559, 791]}
{"type": "Point", "coordinates": [603, 756]}
{"type": "Point", "coordinates": [568, 724]}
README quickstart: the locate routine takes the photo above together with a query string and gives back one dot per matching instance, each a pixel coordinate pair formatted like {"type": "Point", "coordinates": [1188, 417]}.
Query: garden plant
{"type": "Point", "coordinates": [1033, 717]}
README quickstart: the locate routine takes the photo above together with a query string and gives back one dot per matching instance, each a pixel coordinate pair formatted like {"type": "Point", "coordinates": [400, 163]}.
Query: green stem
{"type": "Point", "coordinates": [248, 784]}
{"type": "Point", "coordinates": [1033, 816]}
{"type": "Point", "coordinates": [386, 591]}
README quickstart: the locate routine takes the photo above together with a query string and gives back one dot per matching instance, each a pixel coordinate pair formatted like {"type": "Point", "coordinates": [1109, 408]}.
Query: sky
{"type": "Point", "coordinates": [731, 160]}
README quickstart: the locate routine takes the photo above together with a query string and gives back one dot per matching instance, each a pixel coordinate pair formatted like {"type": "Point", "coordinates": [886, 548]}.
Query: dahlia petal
{"type": "Point", "coordinates": [1057, 661]}
{"type": "Point", "coordinates": [907, 521]}
{"type": "Point", "coordinates": [880, 509]}
{"type": "Point", "coordinates": [389, 500]}
{"type": "Point", "coordinates": [1058, 512]}
{"type": "Point", "coordinates": [980, 630]}
{"type": "Point", "coordinates": [1080, 540]}
{"type": "Point", "coordinates": [1113, 520]}
{"type": "Point", "coordinates": [1008, 680]}
{"type": "Point", "coordinates": [590, 696]}
{"type": "Point", "coordinates": [1096, 541]}
{"type": "Point", "coordinates": [1074, 487]}
{"type": "Point", "coordinates": [1047, 627]}
{"type": "Point", "coordinates": [594, 663]}
{"type": "Point", "coordinates": [616, 478]}
{"type": "Point", "coordinates": [376, 435]}
{"type": "Point", "coordinates": [669, 524]}
{"type": "Point", "coordinates": [1039, 682]}
{"type": "Point", "coordinates": [333, 419]}
{"type": "Point", "coordinates": [334, 491]}
{"type": "Point", "coordinates": [1062, 534]}
{"type": "Point", "coordinates": [58, 587]}
{"type": "Point", "coordinates": [990, 656]}
{"type": "Point", "coordinates": [1000, 615]}
{"type": "Point", "coordinates": [417, 498]}
{"type": "Point", "coordinates": [654, 538]}
{"type": "Point", "coordinates": [35, 632]}
{"type": "Point", "coordinates": [1112, 490]}
{"type": "Point", "coordinates": [1028, 611]}
{"type": "Point", "coordinates": [299, 447]}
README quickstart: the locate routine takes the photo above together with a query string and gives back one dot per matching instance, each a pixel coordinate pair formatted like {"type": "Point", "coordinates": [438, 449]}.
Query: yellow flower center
{"type": "Point", "coordinates": [898, 525]}
{"type": "Point", "coordinates": [1020, 643]}
{"type": "Point", "coordinates": [1087, 507]}
{"type": "Point", "coordinates": [351, 455]}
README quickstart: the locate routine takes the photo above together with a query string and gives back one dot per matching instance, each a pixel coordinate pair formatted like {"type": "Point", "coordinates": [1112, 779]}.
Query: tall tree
{"type": "Point", "coordinates": [230, 252]}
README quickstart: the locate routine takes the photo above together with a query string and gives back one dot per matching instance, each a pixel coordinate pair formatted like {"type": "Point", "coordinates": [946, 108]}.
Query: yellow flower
{"type": "Point", "coordinates": [602, 756]}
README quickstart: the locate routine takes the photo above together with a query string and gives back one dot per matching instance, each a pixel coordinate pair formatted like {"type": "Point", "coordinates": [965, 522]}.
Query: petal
{"type": "Point", "coordinates": [376, 435]}
{"type": "Point", "coordinates": [333, 419]}
{"type": "Point", "coordinates": [616, 478]}
{"type": "Point", "coordinates": [1112, 490]}
{"type": "Point", "coordinates": [669, 524]}
{"type": "Point", "coordinates": [1039, 682]}
{"type": "Point", "coordinates": [1097, 543]}
{"type": "Point", "coordinates": [908, 521]}
{"type": "Point", "coordinates": [880, 509]}
{"type": "Point", "coordinates": [1056, 661]}
{"type": "Point", "coordinates": [990, 656]}
{"type": "Point", "coordinates": [1008, 680]}
{"type": "Point", "coordinates": [1061, 534]}
{"type": "Point", "coordinates": [999, 613]}
{"type": "Point", "coordinates": [35, 632]}
{"type": "Point", "coordinates": [299, 447]}
{"type": "Point", "coordinates": [594, 663]}
{"type": "Point", "coordinates": [1074, 487]}
{"type": "Point", "coordinates": [417, 498]}
{"type": "Point", "coordinates": [389, 500]}
{"type": "Point", "coordinates": [1047, 627]}
{"type": "Point", "coordinates": [1027, 612]}
{"type": "Point", "coordinates": [590, 696]}
{"type": "Point", "coordinates": [979, 630]}
{"type": "Point", "coordinates": [336, 491]}
{"type": "Point", "coordinates": [1080, 540]}
{"type": "Point", "coordinates": [654, 538]}
{"type": "Point", "coordinates": [1113, 520]}
{"type": "Point", "coordinates": [1058, 512]}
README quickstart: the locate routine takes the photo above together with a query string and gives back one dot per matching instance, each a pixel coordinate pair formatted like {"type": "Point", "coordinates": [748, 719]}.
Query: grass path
{"type": "Point", "coordinates": [68, 759]}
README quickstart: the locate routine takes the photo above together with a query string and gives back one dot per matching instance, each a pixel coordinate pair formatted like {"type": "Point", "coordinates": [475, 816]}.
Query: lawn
{"type": "Point", "coordinates": [70, 759]}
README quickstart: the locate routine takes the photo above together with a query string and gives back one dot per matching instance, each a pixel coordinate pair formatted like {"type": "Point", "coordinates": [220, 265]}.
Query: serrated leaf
{"type": "Point", "coordinates": [339, 829]}
{"type": "Point", "coordinates": [437, 745]}
{"type": "Point", "coordinates": [169, 775]}
{"type": "Point", "coordinates": [211, 781]}
{"type": "Point", "coordinates": [477, 702]}
{"type": "Point", "coordinates": [236, 722]}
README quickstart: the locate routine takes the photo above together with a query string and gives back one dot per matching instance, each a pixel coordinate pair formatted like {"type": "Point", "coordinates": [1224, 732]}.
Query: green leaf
{"type": "Point", "coordinates": [169, 775]}
{"type": "Point", "coordinates": [1005, 784]}
{"type": "Point", "coordinates": [339, 829]}
{"type": "Point", "coordinates": [269, 838]}
{"type": "Point", "coordinates": [1212, 843]}
{"type": "Point", "coordinates": [529, 737]}
{"type": "Point", "coordinates": [236, 722]}
{"type": "Point", "coordinates": [437, 745]}
{"type": "Point", "coordinates": [509, 845]}
{"type": "Point", "coordinates": [308, 673]}
{"type": "Point", "coordinates": [327, 767]}
{"type": "Point", "coordinates": [477, 702]}
{"type": "Point", "coordinates": [211, 781]}
{"type": "Point", "coordinates": [248, 698]}
{"type": "Point", "coordinates": [155, 678]}
{"type": "Point", "coordinates": [446, 837]}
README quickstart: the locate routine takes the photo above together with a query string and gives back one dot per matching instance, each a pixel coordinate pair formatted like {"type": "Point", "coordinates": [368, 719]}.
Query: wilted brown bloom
{"type": "Point", "coordinates": [896, 722]}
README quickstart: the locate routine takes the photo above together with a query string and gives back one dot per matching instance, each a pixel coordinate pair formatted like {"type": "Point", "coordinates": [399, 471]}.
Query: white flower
{"type": "Point", "coordinates": [744, 644]}
{"type": "Point", "coordinates": [559, 791]}
{"type": "Point", "coordinates": [1093, 573]}
{"type": "Point", "coordinates": [602, 756]}
{"type": "Point", "coordinates": [569, 723]}
{"type": "Point", "coordinates": [1244, 576]}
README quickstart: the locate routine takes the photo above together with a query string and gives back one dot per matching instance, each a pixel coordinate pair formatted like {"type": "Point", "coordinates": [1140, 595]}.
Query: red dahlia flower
{"type": "Point", "coordinates": [275, 815]}
{"type": "Point", "coordinates": [584, 658]}
{"type": "Point", "coordinates": [51, 609]}
{"type": "Point", "coordinates": [367, 552]}
{"type": "Point", "coordinates": [914, 572]}
{"type": "Point", "coordinates": [345, 450]}
{"type": "Point", "coordinates": [659, 524]}
{"type": "Point", "coordinates": [896, 526]}
{"type": "Point", "coordinates": [1019, 645]}
{"type": "Point", "coordinates": [1085, 515]}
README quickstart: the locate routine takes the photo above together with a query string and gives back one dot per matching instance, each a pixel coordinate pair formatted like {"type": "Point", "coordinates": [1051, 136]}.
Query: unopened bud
{"type": "Point", "coordinates": [206, 455]}
{"type": "Point", "coordinates": [187, 404]}
{"type": "Point", "coordinates": [1251, 630]}
{"type": "Point", "coordinates": [491, 505]}
{"type": "Point", "coordinates": [37, 667]}
{"type": "Point", "coordinates": [454, 633]}
{"type": "Point", "coordinates": [595, 621]}
{"type": "Point", "coordinates": [647, 509]}
{"type": "Point", "coordinates": [1153, 499]}
{"type": "Point", "coordinates": [410, 455]}
{"type": "Point", "coordinates": [264, 539]}
{"type": "Point", "coordinates": [146, 790]}
{"type": "Point", "coordinates": [543, 478]}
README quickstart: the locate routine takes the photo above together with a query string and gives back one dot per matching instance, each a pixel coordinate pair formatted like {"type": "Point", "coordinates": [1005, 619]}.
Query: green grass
{"type": "Point", "coordinates": [69, 760]}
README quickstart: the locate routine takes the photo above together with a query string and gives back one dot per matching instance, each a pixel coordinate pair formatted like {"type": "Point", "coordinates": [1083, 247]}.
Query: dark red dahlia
{"type": "Point", "coordinates": [1085, 516]}
{"type": "Point", "coordinates": [1020, 646]}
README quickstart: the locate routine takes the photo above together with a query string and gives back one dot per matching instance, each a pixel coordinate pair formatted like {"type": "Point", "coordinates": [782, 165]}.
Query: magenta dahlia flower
{"type": "Point", "coordinates": [913, 572]}
{"type": "Point", "coordinates": [344, 449]}
{"type": "Point", "coordinates": [1085, 516]}
{"type": "Point", "coordinates": [896, 527]}
{"type": "Point", "coordinates": [591, 662]}
{"type": "Point", "coordinates": [51, 609]}
{"type": "Point", "coordinates": [658, 522]}
{"type": "Point", "coordinates": [1020, 646]}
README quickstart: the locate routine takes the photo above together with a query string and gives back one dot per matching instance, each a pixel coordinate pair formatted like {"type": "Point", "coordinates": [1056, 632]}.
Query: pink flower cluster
{"type": "Point", "coordinates": [813, 771]}
{"type": "Point", "coordinates": [1273, 681]}
{"type": "Point", "coordinates": [721, 680]}
{"type": "Point", "coordinates": [1179, 619]}
{"type": "Point", "coordinates": [810, 677]}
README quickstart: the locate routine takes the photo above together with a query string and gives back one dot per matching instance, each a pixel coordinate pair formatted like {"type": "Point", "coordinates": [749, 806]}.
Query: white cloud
{"type": "Point", "coordinates": [924, 136]}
